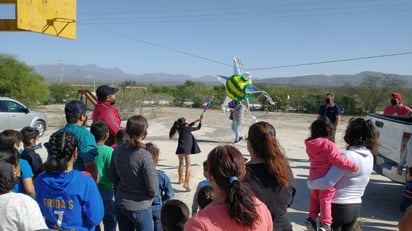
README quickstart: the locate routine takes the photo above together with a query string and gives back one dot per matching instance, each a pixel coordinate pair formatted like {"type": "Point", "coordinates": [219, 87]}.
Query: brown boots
{"type": "Point", "coordinates": [186, 184]}
{"type": "Point", "coordinates": [181, 180]}
{"type": "Point", "coordinates": [186, 180]}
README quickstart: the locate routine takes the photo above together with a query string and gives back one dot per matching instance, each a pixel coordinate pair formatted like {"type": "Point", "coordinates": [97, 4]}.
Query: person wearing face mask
{"type": "Point", "coordinates": [14, 139]}
{"type": "Point", "coordinates": [105, 111]}
{"type": "Point", "coordinates": [331, 110]}
{"type": "Point", "coordinates": [76, 118]}
{"type": "Point", "coordinates": [396, 108]}
{"type": "Point", "coordinates": [30, 142]}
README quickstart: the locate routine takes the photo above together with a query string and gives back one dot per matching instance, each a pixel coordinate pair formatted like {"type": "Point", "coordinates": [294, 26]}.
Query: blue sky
{"type": "Point", "coordinates": [201, 37]}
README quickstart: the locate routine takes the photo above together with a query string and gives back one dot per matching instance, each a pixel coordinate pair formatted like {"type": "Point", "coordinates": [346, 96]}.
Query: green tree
{"type": "Point", "coordinates": [61, 93]}
{"type": "Point", "coordinates": [375, 90]}
{"type": "Point", "coordinates": [191, 91]}
{"type": "Point", "coordinates": [19, 81]}
{"type": "Point", "coordinates": [313, 102]}
{"type": "Point", "coordinates": [349, 106]}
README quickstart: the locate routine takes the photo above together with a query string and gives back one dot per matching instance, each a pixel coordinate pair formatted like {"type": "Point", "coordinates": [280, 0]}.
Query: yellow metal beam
{"type": "Point", "coordinates": [8, 1]}
{"type": "Point", "coordinates": [8, 25]}
{"type": "Point", "coordinates": [57, 17]}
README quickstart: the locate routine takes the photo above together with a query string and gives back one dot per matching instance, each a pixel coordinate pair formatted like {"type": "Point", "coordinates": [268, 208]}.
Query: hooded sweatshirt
{"type": "Point", "coordinates": [324, 153]}
{"type": "Point", "coordinates": [350, 186]}
{"type": "Point", "coordinates": [69, 200]}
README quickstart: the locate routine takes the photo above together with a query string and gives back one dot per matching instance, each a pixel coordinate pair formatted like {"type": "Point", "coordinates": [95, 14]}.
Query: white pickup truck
{"type": "Point", "coordinates": [393, 131]}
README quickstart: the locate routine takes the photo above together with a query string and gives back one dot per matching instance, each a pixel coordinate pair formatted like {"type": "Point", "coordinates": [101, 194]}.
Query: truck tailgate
{"type": "Point", "coordinates": [392, 130]}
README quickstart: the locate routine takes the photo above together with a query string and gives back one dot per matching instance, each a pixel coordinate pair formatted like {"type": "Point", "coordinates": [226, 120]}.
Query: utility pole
{"type": "Point", "coordinates": [61, 63]}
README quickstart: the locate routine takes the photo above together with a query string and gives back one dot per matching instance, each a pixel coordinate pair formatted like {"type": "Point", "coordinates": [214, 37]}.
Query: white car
{"type": "Point", "coordinates": [15, 115]}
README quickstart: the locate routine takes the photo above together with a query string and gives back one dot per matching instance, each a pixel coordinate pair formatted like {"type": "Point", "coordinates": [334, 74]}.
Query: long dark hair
{"type": "Point", "coordinates": [262, 138]}
{"type": "Point", "coordinates": [154, 150]}
{"type": "Point", "coordinates": [361, 132]}
{"type": "Point", "coordinates": [136, 127]}
{"type": "Point", "coordinates": [9, 157]}
{"type": "Point", "coordinates": [227, 166]}
{"type": "Point", "coordinates": [62, 146]}
{"type": "Point", "coordinates": [178, 124]}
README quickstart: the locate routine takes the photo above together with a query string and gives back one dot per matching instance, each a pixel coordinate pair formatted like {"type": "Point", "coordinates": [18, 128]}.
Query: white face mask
{"type": "Point", "coordinates": [21, 149]}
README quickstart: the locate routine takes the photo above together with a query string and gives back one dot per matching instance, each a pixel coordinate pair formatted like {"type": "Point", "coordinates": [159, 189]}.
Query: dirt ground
{"type": "Point", "coordinates": [380, 209]}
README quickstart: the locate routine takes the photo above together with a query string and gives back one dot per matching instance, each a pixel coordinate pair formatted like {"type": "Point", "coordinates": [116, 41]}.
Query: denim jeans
{"type": "Point", "coordinates": [156, 220]}
{"type": "Point", "coordinates": [109, 219]}
{"type": "Point", "coordinates": [134, 220]}
{"type": "Point", "coordinates": [236, 128]}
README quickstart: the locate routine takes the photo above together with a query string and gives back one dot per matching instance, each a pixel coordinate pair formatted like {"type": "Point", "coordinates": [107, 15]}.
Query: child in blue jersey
{"type": "Point", "coordinates": [68, 199]}
{"type": "Point", "coordinates": [100, 130]}
{"type": "Point", "coordinates": [165, 192]}
{"type": "Point", "coordinates": [30, 141]}
{"type": "Point", "coordinates": [13, 138]}
{"type": "Point", "coordinates": [203, 183]}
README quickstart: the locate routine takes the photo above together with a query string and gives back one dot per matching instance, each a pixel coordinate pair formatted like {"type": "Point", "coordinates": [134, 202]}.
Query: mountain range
{"type": "Point", "coordinates": [93, 74]}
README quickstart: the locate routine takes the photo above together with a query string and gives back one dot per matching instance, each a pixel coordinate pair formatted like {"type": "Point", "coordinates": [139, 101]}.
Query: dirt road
{"type": "Point", "coordinates": [380, 202]}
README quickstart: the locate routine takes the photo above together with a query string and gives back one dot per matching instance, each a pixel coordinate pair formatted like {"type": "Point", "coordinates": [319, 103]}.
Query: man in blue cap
{"type": "Point", "coordinates": [76, 118]}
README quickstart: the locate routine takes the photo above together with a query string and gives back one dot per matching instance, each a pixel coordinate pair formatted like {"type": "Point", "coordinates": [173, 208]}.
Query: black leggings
{"type": "Point", "coordinates": [344, 216]}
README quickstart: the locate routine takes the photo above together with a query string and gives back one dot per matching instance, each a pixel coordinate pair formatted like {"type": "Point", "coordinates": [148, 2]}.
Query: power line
{"type": "Point", "coordinates": [331, 61]}
{"type": "Point", "coordinates": [265, 12]}
{"type": "Point", "coordinates": [249, 69]}
{"type": "Point", "coordinates": [159, 46]}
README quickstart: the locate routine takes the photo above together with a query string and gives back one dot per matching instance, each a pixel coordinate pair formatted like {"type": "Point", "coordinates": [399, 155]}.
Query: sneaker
{"type": "Point", "coordinates": [325, 227]}
{"type": "Point", "coordinates": [310, 224]}
{"type": "Point", "coordinates": [237, 141]}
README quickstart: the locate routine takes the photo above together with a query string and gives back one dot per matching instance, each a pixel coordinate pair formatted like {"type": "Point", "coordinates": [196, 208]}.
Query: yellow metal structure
{"type": "Point", "coordinates": [51, 17]}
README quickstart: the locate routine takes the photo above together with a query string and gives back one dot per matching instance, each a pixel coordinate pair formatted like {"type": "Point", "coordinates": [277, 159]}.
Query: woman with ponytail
{"type": "Point", "coordinates": [361, 138]}
{"type": "Point", "coordinates": [234, 206]}
{"type": "Point", "coordinates": [134, 175]}
{"type": "Point", "coordinates": [68, 199]}
{"type": "Point", "coordinates": [268, 173]}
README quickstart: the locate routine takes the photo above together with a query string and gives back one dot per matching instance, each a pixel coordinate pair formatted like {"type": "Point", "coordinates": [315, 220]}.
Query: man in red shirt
{"type": "Point", "coordinates": [104, 110]}
{"type": "Point", "coordinates": [397, 108]}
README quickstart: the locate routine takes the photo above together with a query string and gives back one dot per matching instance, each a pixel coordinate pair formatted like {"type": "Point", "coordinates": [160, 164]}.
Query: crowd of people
{"type": "Point", "coordinates": [108, 174]}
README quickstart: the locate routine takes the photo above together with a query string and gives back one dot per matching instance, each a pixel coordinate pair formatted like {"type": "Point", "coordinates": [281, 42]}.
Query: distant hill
{"type": "Point", "coordinates": [90, 74]}
{"type": "Point", "coordinates": [330, 80]}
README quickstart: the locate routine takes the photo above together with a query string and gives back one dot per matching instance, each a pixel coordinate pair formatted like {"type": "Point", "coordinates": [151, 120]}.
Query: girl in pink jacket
{"type": "Point", "coordinates": [323, 153]}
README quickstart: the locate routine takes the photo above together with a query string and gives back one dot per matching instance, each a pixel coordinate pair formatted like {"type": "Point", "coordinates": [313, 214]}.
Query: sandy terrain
{"type": "Point", "coordinates": [380, 207]}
